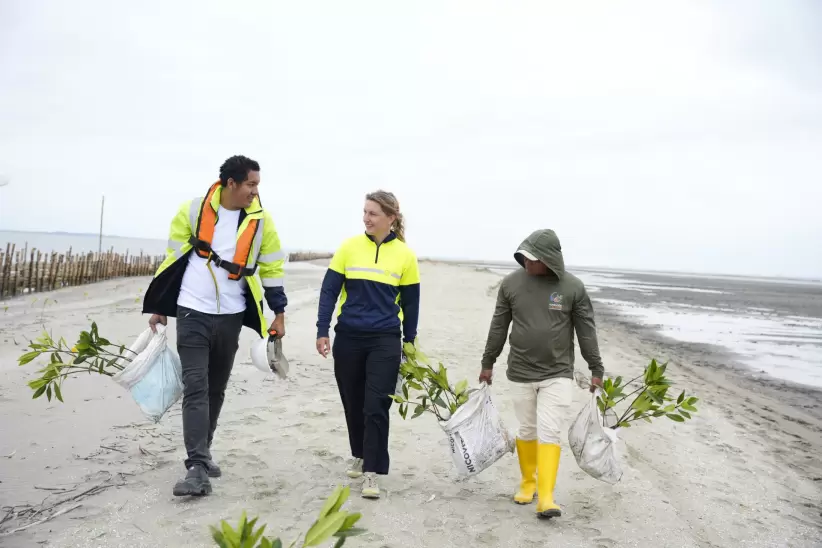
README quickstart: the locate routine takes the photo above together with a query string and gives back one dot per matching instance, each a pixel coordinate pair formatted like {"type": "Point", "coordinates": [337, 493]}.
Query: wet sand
{"type": "Point", "coordinates": [744, 472]}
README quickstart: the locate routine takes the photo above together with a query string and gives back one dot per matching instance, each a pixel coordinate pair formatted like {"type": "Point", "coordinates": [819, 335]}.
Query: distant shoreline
{"type": "Point", "coordinates": [490, 263]}
{"type": "Point", "coordinates": [604, 269]}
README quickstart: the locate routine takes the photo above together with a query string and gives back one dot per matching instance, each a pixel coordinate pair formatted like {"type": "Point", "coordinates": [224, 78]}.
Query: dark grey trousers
{"type": "Point", "coordinates": [207, 344]}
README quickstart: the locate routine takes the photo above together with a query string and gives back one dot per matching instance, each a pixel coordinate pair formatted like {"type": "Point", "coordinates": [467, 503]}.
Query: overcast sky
{"type": "Point", "coordinates": [662, 135]}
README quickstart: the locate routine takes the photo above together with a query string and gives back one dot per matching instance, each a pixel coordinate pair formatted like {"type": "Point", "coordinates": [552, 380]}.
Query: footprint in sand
{"type": "Point", "coordinates": [590, 532]}
{"type": "Point", "coordinates": [311, 414]}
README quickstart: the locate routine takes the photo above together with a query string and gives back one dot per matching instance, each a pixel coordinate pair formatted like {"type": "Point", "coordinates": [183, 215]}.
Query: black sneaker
{"type": "Point", "coordinates": [195, 484]}
{"type": "Point", "coordinates": [213, 470]}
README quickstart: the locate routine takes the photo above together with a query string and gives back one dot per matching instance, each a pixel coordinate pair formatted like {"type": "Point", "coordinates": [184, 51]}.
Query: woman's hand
{"type": "Point", "coordinates": [324, 346]}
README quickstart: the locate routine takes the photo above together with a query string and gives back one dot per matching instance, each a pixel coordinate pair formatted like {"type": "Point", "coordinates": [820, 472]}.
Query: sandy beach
{"type": "Point", "coordinates": [745, 472]}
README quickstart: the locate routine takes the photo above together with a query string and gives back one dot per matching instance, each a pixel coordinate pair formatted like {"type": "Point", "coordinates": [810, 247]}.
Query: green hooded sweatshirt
{"type": "Point", "coordinates": [545, 311]}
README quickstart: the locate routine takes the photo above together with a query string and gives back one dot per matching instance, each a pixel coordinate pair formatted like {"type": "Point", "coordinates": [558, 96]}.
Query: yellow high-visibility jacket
{"type": "Point", "coordinates": [378, 287]}
{"type": "Point", "coordinates": [263, 257]}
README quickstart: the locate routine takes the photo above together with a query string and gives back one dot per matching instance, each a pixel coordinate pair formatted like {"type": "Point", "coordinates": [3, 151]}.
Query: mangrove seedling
{"type": "Point", "coordinates": [651, 399]}
{"type": "Point", "coordinates": [331, 522]}
{"type": "Point", "coordinates": [90, 354]}
{"type": "Point", "coordinates": [438, 396]}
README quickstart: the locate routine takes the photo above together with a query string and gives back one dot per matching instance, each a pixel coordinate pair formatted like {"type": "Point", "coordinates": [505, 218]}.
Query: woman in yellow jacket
{"type": "Point", "coordinates": [378, 277]}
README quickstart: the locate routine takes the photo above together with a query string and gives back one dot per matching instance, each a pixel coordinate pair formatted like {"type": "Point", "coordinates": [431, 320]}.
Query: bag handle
{"type": "Point", "coordinates": [595, 413]}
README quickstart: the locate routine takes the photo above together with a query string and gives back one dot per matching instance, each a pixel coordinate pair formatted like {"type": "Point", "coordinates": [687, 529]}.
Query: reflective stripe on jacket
{"type": "Point", "coordinates": [378, 288]}
{"type": "Point", "coordinates": [264, 252]}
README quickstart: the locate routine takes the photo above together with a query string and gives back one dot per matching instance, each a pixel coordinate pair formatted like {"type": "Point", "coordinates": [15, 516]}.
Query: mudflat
{"type": "Point", "coordinates": [744, 472]}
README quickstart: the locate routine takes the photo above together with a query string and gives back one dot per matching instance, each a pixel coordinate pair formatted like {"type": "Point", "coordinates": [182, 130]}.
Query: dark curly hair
{"type": "Point", "coordinates": [237, 168]}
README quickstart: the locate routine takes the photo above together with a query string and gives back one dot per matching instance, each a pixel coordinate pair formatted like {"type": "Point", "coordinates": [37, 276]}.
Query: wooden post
{"type": "Point", "coordinates": [37, 271]}
{"type": "Point", "coordinates": [15, 274]}
{"type": "Point", "coordinates": [32, 266]}
{"type": "Point", "coordinates": [102, 207]}
{"type": "Point", "coordinates": [4, 269]}
{"type": "Point", "coordinates": [59, 272]}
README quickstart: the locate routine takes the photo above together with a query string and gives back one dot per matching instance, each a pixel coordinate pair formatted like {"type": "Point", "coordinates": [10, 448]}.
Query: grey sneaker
{"type": "Point", "coordinates": [354, 468]}
{"type": "Point", "coordinates": [195, 484]}
{"type": "Point", "coordinates": [370, 486]}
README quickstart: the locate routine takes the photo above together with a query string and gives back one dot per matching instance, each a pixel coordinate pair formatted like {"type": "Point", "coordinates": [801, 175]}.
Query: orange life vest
{"type": "Point", "coordinates": [204, 234]}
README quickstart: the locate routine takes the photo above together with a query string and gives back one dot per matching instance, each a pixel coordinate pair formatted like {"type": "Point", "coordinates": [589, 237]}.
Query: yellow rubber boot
{"type": "Point", "coordinates": [527, 454]}
{"type": "Point", "coordinates": [547, 467]}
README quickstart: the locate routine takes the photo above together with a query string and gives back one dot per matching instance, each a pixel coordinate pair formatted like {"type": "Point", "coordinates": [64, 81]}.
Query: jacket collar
{"type": "Point", "coordinates": [255, 207]}
{"type": "Point", "coordinates": [391, 236]}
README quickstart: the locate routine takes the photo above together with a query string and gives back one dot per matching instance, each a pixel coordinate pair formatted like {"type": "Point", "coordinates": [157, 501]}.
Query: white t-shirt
{"type": "Point", "coordinates": [198, 291]}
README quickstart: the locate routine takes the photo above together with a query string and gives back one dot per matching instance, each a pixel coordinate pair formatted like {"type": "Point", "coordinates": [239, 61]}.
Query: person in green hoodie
{"type": "Point", "coordinates": [546, 305]}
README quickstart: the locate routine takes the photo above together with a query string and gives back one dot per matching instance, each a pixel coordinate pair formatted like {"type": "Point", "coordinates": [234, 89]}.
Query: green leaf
{"type": "Point", "coordinates": [346, 491]}
{"type": "Point", "coordinates": [254, 537]}
{"type": "Point", "coordinates": [350, 520]}
{"type": "Point", "coordinates": [415, 385]}
{"type": "Point", "coordinates": [39, 392]}
{"type": "Point", "coordinates": [340, 542]}
{"type": "Point", "coordinates": [675, 418]}
{"type": "Point", "coordinates": [57, 393]}
{"type": "Point", "coordinates": [685, 414]}
{"type": "Point", "coordinates": [692, 401]}
{"type": "Point", "coordinates": [688, 407]}
{"type": "Point", "coordinates": [37, 383]}
{"type": "Point", "coordinates": [48, 392]}
{"type": "Point", "coordinates": [461, 387]}
{"type": "Point", "coordinates": [624, 424]}
{"type": "Point", "coordinates": [277, 543]}
{"type": "Point", "coordinates": [231, 536]}
{"type": "Point", "coordinates": [641, 403]}
{"type": "Point", "coordinates": [618, 381]}
{"type": "Point", "coordinates": [419, 410]}
{"type": "Point", "coordinates": [353, 532]}
{"type": "Point", "coordinates": [681, 398]}
{"type": "Point", "coordinates": [409, 350]}
{"type": "Point", "coordinates": [330, 502]}
{"type": "Point", "coordinates": [218, 537]}
{"type": "Point", "coordinates": [27, 357]}
{"type": "Point", "coordinates": [324, 528]}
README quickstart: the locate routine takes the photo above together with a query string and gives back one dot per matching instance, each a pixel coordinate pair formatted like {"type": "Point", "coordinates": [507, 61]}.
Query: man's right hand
{"type": "Point", "coordinates": [324, 346]}
{"type": "Point", "coordinates": [485, 376]}
{"type": "Point", "coordinates": [155, 319]}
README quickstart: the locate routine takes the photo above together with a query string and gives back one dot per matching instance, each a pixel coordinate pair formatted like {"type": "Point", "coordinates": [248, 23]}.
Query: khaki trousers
{"type": "Point", "coordinates": [542, 408]}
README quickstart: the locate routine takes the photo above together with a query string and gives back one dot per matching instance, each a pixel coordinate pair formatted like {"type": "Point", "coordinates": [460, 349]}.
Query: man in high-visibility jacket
{"type": "Point", "coordinates": [217, 246]}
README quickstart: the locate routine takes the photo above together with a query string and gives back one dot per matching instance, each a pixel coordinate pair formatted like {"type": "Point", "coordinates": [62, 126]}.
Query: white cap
{"type": "Point", "coordinates": [528, 255]}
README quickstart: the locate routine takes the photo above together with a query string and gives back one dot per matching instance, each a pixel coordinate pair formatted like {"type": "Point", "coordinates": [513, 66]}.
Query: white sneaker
{"type": "Point", "coordinates": [354, 468]}
{"type": "Point", "coordinates": [370, 487]}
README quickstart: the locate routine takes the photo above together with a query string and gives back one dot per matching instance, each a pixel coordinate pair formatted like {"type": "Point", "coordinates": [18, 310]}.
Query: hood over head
{"type": "Point", "coordinates": [542, 245]}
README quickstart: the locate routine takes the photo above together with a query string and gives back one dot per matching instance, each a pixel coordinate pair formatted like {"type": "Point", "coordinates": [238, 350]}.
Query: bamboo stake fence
{"type": "Point", "coordinates": [24, 271]}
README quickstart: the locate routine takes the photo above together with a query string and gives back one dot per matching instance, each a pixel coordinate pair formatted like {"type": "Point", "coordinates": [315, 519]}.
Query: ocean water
{"type": "Point", "coordinates": [774, 326]}
{"type": "Point", "coordinates": [80, 243]}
